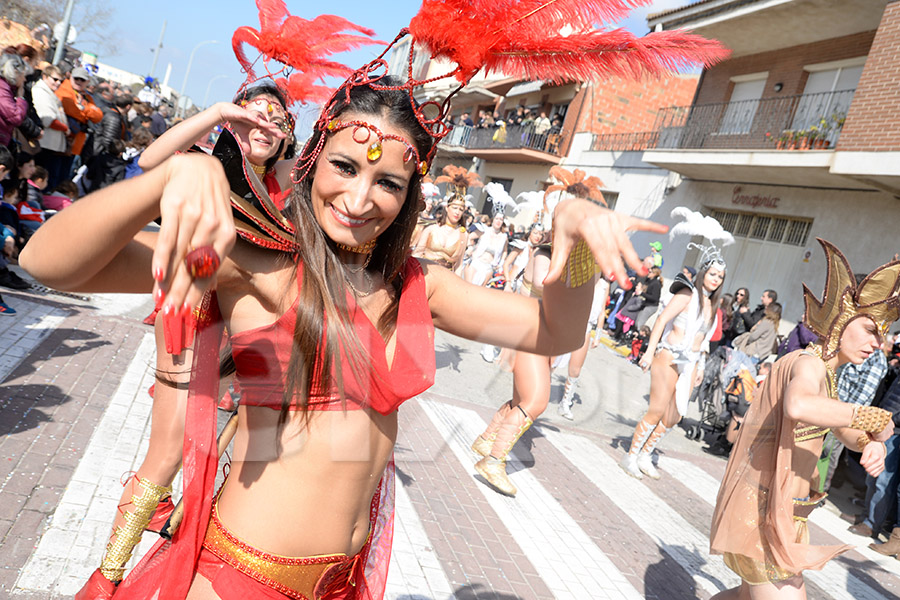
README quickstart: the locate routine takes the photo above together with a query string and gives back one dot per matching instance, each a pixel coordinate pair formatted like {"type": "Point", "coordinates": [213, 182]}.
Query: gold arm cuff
{"type": "Point", "coordinates": [862, 440]}
{"type": "Point", "coordinates": [580, 266]}
{"type": "Point", "coordinates": [870, 418]}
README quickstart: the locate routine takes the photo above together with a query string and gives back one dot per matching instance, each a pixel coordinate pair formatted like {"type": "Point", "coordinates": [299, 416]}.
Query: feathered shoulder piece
{"type": "Point", "coordinates": [256, 217]}
{"type": "Point", "coordinates": [555, 40]}
{"type": "Point", "coordinates": [303, 48]}
{"type": "Point", "coordinates": [876, 297]}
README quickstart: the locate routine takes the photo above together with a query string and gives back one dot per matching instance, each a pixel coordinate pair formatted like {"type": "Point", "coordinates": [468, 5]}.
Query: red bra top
{"type": "Point", "coordinates": [261, 356]}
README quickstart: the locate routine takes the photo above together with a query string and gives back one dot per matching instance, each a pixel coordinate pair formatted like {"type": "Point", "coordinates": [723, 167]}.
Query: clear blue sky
{"type": "Point", "coordinates": [137, 27]}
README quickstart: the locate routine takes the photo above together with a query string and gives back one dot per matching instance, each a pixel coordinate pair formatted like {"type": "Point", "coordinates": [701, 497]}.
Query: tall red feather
{"type": "Point", "coordinates": [553, 39]}
{"type": "Point", "coordinates": [302, 45]}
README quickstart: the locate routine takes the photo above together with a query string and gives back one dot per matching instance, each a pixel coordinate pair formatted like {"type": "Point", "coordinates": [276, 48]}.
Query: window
{"type": "Point", "coordinates": [781, 230]}
{"type": "Point", "coordinates": [611, 199]}
{"type": "Point", "coordinates": [741, 108]}
{"type": "Point", "coordinates": [829, 91]}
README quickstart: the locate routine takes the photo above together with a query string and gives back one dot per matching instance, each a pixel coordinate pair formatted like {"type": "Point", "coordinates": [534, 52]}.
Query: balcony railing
{"type": "Point", "coordinates": [515, 137]}
{"type": "Point", "coordinates": [642, 140]}
{"type": "Point", "coordinates": [753, 124]}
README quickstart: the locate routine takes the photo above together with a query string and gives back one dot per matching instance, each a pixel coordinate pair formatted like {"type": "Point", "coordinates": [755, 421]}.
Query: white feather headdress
{"type": "Point", "coordinates": [429, 190]}
{"type": "Point", "coordinates": [499, 196]}
{"type": "Point", "coordinates": [696, 224]}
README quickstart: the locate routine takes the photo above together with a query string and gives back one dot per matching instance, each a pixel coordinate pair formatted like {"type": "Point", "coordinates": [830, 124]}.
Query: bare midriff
{"type": "Point", "coordinates": [313, 496]}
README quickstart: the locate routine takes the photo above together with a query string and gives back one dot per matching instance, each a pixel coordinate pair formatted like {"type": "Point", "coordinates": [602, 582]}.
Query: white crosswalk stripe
{"type": "Point", "coordinates": [414, 567]}
{"type": "Point", "coordinates": [562, 553]}
{"type": "Point", "coordinates": [687, 546]}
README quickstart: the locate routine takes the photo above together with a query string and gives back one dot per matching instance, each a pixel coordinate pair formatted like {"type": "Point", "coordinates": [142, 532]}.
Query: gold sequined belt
{"type": "Point", "coordinates": [306, 578]}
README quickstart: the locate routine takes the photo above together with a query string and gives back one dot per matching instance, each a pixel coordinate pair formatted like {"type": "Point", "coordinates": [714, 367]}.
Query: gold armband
{"type": "Point", "coordinates": [862, 440]}
{"type": "Point", "coordinates": [580, 266]}
{"type": "Point", "coordinates": [869, 418]}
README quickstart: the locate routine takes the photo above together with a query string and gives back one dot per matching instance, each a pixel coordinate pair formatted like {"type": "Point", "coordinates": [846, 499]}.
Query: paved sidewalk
{"type": "Point", "coordinates": [74, 416]}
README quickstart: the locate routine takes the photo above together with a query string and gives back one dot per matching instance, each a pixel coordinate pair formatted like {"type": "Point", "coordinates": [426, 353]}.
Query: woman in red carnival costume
{"type": "Point", "coordinates": [262, 125]}
{"type": "Point", "coordinates": [330, 318]}
{"type": "Point", "coordinates": [760, 520]}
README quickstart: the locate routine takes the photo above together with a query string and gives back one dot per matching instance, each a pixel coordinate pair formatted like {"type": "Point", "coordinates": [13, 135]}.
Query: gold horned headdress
{"type": "Point", "coordinates": [876, 297]}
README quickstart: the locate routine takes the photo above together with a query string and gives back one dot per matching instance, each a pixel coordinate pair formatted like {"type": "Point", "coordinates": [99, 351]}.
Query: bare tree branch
{"type": "Point", "coordinates": [91, 18]}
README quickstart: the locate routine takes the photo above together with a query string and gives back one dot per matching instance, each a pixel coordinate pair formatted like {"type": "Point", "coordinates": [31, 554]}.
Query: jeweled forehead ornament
{"type": "Point", "coordinates": [362, 134]}
{"type": "Point", "coordinates": [876, 297]}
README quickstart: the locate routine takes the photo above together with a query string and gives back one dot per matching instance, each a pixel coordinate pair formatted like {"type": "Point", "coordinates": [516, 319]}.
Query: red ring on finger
{"type": "Point", "coordinates": [202, 262]}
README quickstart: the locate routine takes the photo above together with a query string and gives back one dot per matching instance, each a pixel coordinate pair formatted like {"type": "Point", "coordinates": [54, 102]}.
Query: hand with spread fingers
{"type": "Point", "coordinates": [605, 233]}
{"type": "Point", "coordinates": [197, 232]}
{"type": "Point", "coordinates": [271, 123]}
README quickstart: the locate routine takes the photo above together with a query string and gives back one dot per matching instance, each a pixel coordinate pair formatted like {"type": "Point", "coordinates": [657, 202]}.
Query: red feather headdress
{"type": "Point", "coordinates": [301, 46]}
{"type": "Point", "coordinates": [555, 40]}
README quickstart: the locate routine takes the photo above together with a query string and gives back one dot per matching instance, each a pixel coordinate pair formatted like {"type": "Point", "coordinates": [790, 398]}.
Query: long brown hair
{"type": "Point", "coordinates": [323, 289]}
{"type": "Point", "coordinates": [714, 297]}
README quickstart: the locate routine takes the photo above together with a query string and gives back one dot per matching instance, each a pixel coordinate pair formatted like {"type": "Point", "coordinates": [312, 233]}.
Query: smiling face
{"type": "Point", "coordinates": [355, 199]}
{"type": "Point", "coordinates": [860, 339]}
{"type": "Point", "coordinates": [497, 223]}
{"type": "Point", "coordinates": [258, 145]}
{"type": "Point", "coordinates": [713, 279]}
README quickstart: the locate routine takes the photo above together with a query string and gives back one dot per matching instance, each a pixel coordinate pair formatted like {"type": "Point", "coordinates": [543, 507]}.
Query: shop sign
{"type": "Point", "coordinates": [742, 198]}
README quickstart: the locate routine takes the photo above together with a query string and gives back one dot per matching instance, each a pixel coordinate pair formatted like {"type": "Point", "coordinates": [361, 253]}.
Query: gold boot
{"type": "Point", "coordinates": [127, 536]}
{"type": "Point", "coordinates": [483, 443]}
{"type": "Point", "coordinates": [493, 466]}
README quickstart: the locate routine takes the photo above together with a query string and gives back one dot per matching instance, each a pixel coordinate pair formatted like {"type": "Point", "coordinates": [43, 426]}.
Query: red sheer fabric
{"type": "Point", "coordinates": [754, 515]}
{"type": "Point", "coordinates": [277, 195]}
{"type": "Point", "coordinates": [166, 572]}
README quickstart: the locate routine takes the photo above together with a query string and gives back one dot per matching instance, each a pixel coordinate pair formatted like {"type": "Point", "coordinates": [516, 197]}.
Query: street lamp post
{"type": "Point", "coordinates": [209, 87]}
{"type": "Point", "coordinates": [187, 73]}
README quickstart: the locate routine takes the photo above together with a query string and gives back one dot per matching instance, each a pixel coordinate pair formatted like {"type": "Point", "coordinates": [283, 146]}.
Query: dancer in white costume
{"type": "Point", "coordinates": [679, 341]}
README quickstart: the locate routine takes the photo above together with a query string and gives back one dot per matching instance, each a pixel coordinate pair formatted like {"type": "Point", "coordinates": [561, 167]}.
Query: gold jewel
{"type": "Point", "coordinates": [831, 387]}
{"type": "Point", "coordinates": [869, 418]}
{"type": "Point", "coordinates": [259, 169]}
{"type": "Point", "coordinates": [373, 152]}
{"type": "Point", "coordinates": [362, 249]}
{"type": "Point", "coordinates": [423, 168]}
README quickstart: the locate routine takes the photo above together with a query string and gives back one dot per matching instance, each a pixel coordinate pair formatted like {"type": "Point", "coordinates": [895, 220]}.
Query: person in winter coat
{"type": "Point", "coordinates": [53, 117]}
{"type": "Point", "coordinates": [13, 107]}
{"type": "Point", "coordinates": [79, 107]}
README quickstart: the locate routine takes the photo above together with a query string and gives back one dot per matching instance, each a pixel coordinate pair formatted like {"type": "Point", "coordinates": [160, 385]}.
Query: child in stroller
{"type": "Point", "coordinates": [738, 396]}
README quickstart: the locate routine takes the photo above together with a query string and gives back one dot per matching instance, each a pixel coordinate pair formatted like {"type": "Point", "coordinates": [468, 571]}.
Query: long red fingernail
{"type": "Point", "coordinates": [190, 323]}
{"type": "Point", "coordinates": [168, 316]}
{"type": "Point", "coordinates": [158, 274]}
{"type": "Point", "coordinates": [158, 298]}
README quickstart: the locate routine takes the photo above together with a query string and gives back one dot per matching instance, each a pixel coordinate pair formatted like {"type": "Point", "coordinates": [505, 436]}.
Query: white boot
{"type": "Point", "coordinates": [488, 353]}
{"type": "Point", "coordinates": [565, 410]}
{"type": "Point", "coordinates": [565, 404]}
{"type": "Point", "coordinates": [629, 465]}
{"type": "Point", "coordinates": [645, 464]}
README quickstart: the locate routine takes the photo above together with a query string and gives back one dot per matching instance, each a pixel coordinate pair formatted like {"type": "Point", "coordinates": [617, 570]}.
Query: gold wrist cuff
{"type": "Point", "coordinates": [580, 266]}
{"type": "Point", "coordinates": [869, 418]}
{"type": "Point", "coordinates": [862, 440]}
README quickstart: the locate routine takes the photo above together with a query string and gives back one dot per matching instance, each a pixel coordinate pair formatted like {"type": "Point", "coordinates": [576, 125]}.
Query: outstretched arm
{"type": "Point", "coordinates": [97, 244]}
{"type": "Point", "coordinates": [189, 131]}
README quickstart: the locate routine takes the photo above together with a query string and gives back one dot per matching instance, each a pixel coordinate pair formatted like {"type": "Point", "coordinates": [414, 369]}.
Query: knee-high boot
{"type": "Point", "coordinates": [629, 462]}
{"type": "Point", "coordinates": [565, 403]}
{"type": "Point", "coordinates": [493, 466]}
{"type": "Point", "coordinates": [146, 497]}
{"type": "Point", "coordinates": [483, 443]}
{"type": "Point", "coordinates": [645, 458]}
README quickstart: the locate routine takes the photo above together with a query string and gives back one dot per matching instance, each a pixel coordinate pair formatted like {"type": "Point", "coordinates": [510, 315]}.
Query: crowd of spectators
{"type": "Point", "coordinates": [530, 128]}
{"type": "Point", "coordinates": [63, 133]}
